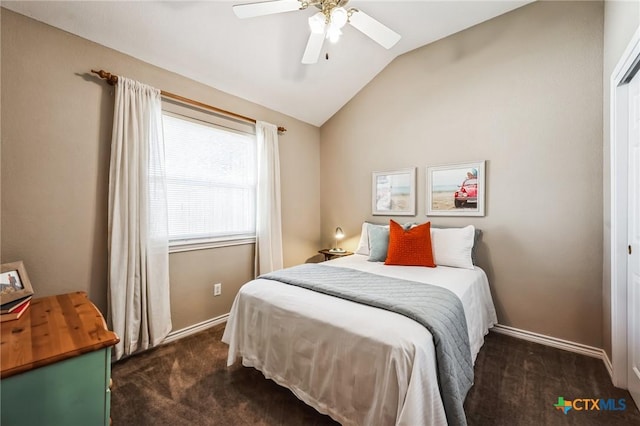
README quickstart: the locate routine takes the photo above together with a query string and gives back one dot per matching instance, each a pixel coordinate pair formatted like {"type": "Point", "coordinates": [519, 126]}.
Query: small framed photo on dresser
{"type": "Point", "coordinates": [14, 282]}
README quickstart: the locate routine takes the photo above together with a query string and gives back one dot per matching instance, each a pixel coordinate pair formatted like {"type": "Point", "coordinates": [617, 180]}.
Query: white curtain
{"type": "Point", "coordinates": [268, 217]}
{"type": "Point", "coordinates": [138, 281]}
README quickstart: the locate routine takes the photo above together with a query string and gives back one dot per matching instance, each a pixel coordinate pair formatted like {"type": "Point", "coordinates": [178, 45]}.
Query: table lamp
{"type": "Point", "coordinates": [339, 235]}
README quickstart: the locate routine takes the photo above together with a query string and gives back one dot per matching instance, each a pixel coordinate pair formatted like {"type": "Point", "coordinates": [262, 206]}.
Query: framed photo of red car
{"type": "Point", "coordinates": [456, 189]}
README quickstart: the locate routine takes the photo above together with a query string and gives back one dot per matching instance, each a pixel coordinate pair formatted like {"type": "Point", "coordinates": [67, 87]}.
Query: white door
{"type": "Point", "coordinates": [633, 264]}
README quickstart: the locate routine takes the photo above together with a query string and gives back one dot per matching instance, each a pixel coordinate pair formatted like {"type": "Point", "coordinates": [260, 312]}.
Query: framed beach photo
{"type": "Point", "coordinates": [456, 189]}
{"type": "Point", "coordinates": [394, 193]}
{"type": "Point", "coordinates": [14, 282]}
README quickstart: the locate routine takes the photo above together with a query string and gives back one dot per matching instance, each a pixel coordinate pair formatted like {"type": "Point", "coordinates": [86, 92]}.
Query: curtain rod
{"type": "Point", "coordinates": [112, 79]}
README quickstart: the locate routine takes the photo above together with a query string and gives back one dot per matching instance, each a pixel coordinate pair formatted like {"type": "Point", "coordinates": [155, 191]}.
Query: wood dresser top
{"type": "Point", "coordinates": [51, 330]}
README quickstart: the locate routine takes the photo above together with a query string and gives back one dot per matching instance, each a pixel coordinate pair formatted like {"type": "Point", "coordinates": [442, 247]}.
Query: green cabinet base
{"type": "Point", "coordinates": [70, 392]}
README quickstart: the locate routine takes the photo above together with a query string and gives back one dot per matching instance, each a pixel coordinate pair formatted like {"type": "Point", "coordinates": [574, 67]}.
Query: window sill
{"type": "Point", "coordinates": [181, 246]}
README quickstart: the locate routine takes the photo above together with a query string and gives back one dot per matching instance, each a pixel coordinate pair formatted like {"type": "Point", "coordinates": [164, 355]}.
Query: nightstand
{"type": "Point", "coordinates": [328, 254]}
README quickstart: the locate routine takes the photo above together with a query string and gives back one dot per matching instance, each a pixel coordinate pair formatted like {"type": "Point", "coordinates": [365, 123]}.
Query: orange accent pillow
{"type": "Point", "coordinates": [411, 247]}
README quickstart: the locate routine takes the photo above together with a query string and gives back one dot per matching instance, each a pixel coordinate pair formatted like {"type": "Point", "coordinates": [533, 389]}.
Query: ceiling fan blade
{"type": "Point", "coordinates": [379, 33]}
{"type": "Point", "coordinates": [251, 10]}
{"type": "Point", "coordinates": [314, 47]}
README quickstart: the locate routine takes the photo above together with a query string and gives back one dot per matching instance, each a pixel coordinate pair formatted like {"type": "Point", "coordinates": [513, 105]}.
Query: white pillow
{"type": "Point", "coordinates": [452, 246]}
{"type": "Point", "coordinates": [363, 245]}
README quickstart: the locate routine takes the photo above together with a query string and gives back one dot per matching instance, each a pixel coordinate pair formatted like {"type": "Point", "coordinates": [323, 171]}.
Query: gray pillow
{"type": "Point", "coordinates": [378, 243]}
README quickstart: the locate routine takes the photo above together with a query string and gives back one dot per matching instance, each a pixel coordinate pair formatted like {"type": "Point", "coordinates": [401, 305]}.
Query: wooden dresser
{"type": "Point", "coordinates": [56, 364]}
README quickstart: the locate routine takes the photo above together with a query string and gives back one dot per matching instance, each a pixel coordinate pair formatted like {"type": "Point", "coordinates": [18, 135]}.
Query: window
{"type": "Point", "coordinates": [211, 181]}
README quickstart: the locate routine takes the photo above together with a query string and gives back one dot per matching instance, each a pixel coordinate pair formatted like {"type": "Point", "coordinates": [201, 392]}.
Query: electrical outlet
{"type": "Point", "coordinates": [217, 289]}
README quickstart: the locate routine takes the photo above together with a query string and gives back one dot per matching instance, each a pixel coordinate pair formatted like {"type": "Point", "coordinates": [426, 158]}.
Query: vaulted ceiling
{"type": "Point", "coordinates": [258, 59]}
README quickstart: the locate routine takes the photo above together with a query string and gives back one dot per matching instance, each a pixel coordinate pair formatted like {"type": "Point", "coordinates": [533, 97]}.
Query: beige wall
{"type": "Point", "coordinates": [55, 161]}
{"type": "Point", "coordinates": [519, 91]}
{"type": "Point", "coordinates": [524, 92]}
{"type": "Point", "coordinates": [621, 21]}
{"type": "Point", "coordinates": [0, 143]}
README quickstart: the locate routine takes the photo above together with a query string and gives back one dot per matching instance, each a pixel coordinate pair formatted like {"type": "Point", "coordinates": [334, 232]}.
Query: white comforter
{"type": "Point", "coordinates": [356, 363]}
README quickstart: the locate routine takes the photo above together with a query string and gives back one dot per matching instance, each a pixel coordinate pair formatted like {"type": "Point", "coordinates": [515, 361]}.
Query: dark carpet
{"type": "Point", "coordinates": [516, 383]}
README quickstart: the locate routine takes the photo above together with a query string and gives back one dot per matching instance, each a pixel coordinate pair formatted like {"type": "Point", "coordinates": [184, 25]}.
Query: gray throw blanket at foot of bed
{"type": "Point", "coordinates": [436, 308]}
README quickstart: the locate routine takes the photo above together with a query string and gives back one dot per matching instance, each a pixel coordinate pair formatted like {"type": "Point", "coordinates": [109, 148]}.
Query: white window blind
{"type": "Point", "coordinates": [211, 181]}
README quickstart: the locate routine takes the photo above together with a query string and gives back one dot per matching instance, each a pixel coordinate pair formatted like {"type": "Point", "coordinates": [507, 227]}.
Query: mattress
{"type": "Point", "coordinates": [356, 363]}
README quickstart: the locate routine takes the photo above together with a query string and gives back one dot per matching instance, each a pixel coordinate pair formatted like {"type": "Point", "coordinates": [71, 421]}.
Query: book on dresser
{"type": "Point", "coordinates": [16, 312]}
{"type": "Point", "coordinates": [12, 306]}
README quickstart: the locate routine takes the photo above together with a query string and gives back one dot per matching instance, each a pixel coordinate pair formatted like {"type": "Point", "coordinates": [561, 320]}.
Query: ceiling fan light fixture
{"type": "Point", "coordinates": [339, 17]}
{"type": "Point", "coordinates": [317, 23]}
{"type": "Point", "coordinates": [334, 33]}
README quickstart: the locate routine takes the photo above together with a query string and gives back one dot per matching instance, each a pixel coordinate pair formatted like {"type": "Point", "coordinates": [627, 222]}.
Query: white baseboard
{"type": "Point", "coordinates": [195, 328]}
{"type": "Point", "coordinates": [607, 363]}
{"type": "Point", "coordinates": [554, 342]}
{"type": "Point", "coordinates": [530, 336]}
{"type": "Point", "coordinates": [498, 328]}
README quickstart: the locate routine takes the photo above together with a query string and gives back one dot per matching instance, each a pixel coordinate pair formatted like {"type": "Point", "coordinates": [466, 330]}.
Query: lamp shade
{"type": "Point", "coordinates": [339, 17]}
{"type": "Point", "coordinates": [339, 233]}
{"type": "Point", "coordinates": [333, 33]}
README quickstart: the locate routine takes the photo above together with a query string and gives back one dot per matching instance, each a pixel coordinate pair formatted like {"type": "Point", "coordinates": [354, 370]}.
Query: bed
{"type": "Point", "coordinates": [357, 363]}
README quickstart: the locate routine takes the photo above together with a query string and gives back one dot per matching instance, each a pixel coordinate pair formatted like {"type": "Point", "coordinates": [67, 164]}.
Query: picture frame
{"type": "Point", "coordinates": [14, 282]}
{"type": "Point", "coordinates": [393, 193]}
{"type": "Point", "coordinates": [456, 189]}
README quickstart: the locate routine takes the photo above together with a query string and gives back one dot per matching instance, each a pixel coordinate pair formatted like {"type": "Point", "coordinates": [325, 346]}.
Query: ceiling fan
{"type": "Point", "coordinates": [327, 23]}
